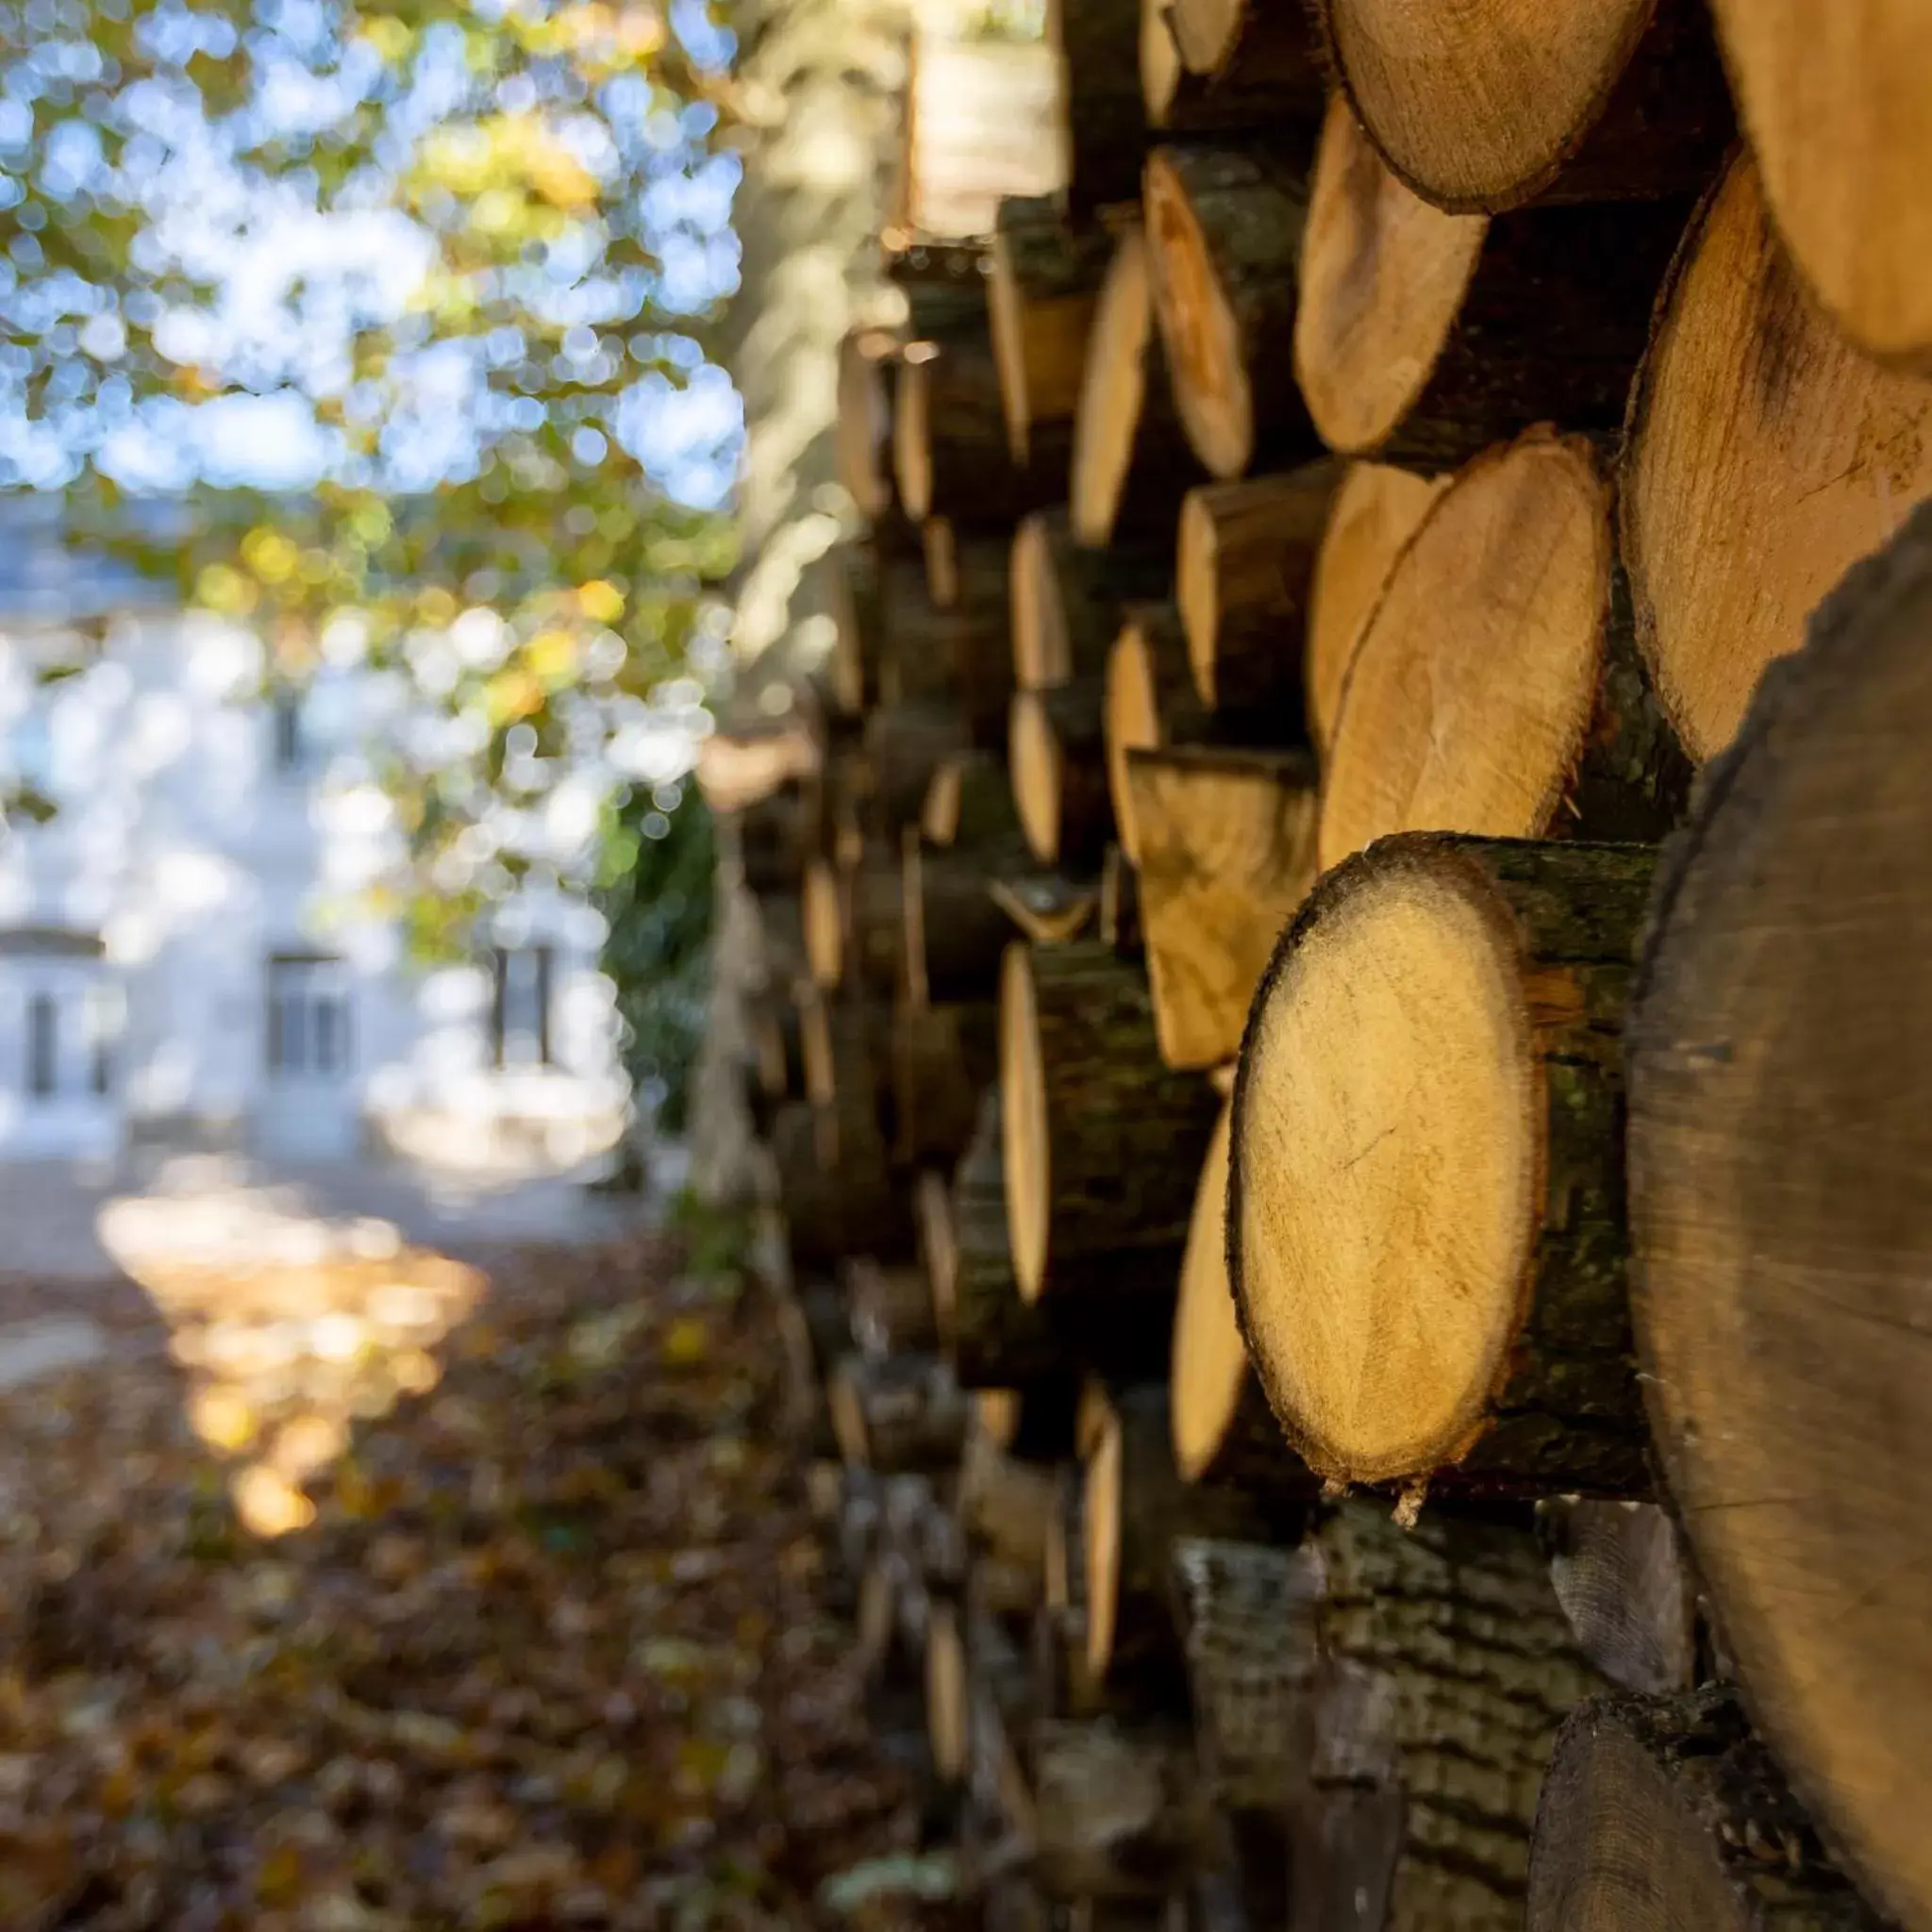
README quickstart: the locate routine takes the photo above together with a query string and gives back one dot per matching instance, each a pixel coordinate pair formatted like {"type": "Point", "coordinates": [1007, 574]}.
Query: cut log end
{"type": "Point", "coordinates": [1112, 393]}
{"type": "Point", "coordinates": [1374, 513]}
{"type": "Point", "coordinates": [1211, 1361]}
{"type": "Point", "coordinates": [1040, 653]}
{"type": "Point", "coordinates": [1038, 768]}
{"type": "Point", "coordinates": [939, 1245]}
{"type": "Point", "coordinates": [822, 907]}
{"type": "Point", "coordinates": [1133, 722]}
{"type": "Point", "coordinates": [1383, 278]}
{"type": "Point", "coordinates": [911, 431]}
{"type": "Point", "coordinates": [1207, 358]}
{"type": "Point", "coordinates": [1197, 587]}
{"type": "Point", "coordinates": [1455, 658]}
{"type": "Point", "coordinates": [1160, 61]}
{"type": "Point", "coordinates": [946, 1694]}
{"type": "Point", "coordinates": [1100, 1524]}
{"type": "Point", "coordinates": [1025, 1149]}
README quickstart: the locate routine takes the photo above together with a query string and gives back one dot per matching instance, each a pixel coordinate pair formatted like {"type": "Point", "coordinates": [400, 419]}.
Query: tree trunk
{"type": "Point", "coordinates": [1374, 512]}
{"type": "Point", "coordinates": [1506, 700]}
{"type": "Point", "coordinates": [1151, 702]}
{"type": "Point", "coordinates": [1624, 1579]}
{"type": "Point", "coordinates": [1765, 457]}
{"type": "Point", "coordinates": [1057, 755]}
{"type": "Point", "coordinates": [1421, 337]}
{"type": "Point", "coordinates": [1618, 100]}
{"type": "Point", "coordinates": [1224, 237]}
{"type": "Point", "coordinates": [1441, 1032]}
{"type": "Point", "coordinates": [943, 1058]}
{"type": "Point", "coordinates": [899, 1417]}
{"type": "Point", "coordinates": [1069, 600]}
{"type": "Point", "coordinates": [1244, 568]}
{"type": "Point", "coordinates": [1659, 1812]}
{"type": "Point", "coordinates": [1097, 43]}
{"type": "Point", "coordinates": [1044, 282]}
{"type": "Point", "coordinates": [1447, 1671]}
{"type": "Point", "coordinates": [1102, 1141]}
{"type": "Point", "coordinates": [1226, 856]}
{"type": "Point", "coordinates": [1780, 1211]}
{"type": "Point", "coordinates": [1132, 463]}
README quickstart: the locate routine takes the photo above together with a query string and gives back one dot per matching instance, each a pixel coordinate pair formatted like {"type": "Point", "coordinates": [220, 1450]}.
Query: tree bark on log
{"type": "Point", "coordinates": [1224, 227]}
{"type": "Point", "coordinates": [1215, 66]}
{"type": "Point", "coordinates": [1442, 1027]}
{"type": "Point", "coordinates": [1226, 856]}
{"type": "Point", "coordinates": [1151, 701]}
{"type": "Point", "coordinates": [1446, 1673]}
{"type": "Point", "coordinates": [1057, 755]}
{"type": "Point", "coordinates": [1374, 513]}
{"type": "Point", "coordinates": [1764, 457]}
{"type": "Point", "coordinates": [1069, 599]}
{"type": "Point", "coordinates": [1244, 570]}
{"type": "Point", "coordinates": [955, 932]}
{"type": "Point", "coordinates": [1118, 915]}
{"type": "Point", "coordinates": [1097, 43]}
{"type": "Point", "coordinates": [1132, 463]}
{"type": "Point", "coordinates": [906, 743]}
{"type": "Point", "coordinates": [1044, 280]}
{"type": "Point", "coordinates": [1101, 1140]}
{"type": "Point", "coordinates": [1659, 1812]}
{"type": "Point", "coordinates": [856, 922]}
{"type": "Point", "coordinates": [1779, 1210]}
{"type": "Point", "coordinates": [1421, 337]}
{"type": "Point", "coordinates": [1619, 100]}
{"type": "Point", "coordinates": [1506, 701]}
{"type": "Point", "coordinates": [970, 803]}
{"type": "Point", "coordinates": [1623, 1574]}
{"type": "Point", "coordinates": [942, 1058]}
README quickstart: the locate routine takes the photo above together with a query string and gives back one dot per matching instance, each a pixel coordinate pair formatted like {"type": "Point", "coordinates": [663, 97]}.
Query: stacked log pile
{"type": "Point", "coordinates": [1370, 1238]}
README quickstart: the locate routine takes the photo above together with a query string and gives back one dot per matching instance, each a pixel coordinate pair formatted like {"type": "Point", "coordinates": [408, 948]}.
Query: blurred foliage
{"type": "Point", "coordinates": [471, 331]}
{"type": "Point", "coordinates": [655, 891]}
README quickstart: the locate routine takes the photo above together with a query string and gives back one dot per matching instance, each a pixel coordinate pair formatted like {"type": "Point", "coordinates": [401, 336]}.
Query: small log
{"type": "Point", "coordinates": [1224, 227]}
{"type": "Point", "coordinates": [1447, 1672]}
{"type": "Point", "coordinates": [854, 922]}
{"type": "Point", "coordinates": [1442, 1028]}
{"type": "Point", "coordinates": [1373, 514]}
{"type": "Point", "coordinates": [888, 1309]}
{"type": "Point", "coordinates": [863, 431]}
{"type": "Point", "coordinates": [775, 1049]}
{"type": "Point", "coordinates": [947, 1694]}
{"type": "Point", "coordinates": [1765, 457]}
{"type": "Point", "coordinates": [906, 743]}
{"type": "Point", "coordinates": [1244, 568]}
{"type": "Point", "coordinates": [1097, 45]}
{"type": "Point", "coordinates": [1476, 705]}
{"type": "Point", "coordinates": [1659, 1812]}
{"type": "Point", "coordinates": [1102, 1141]}
{"type": "Point", "coordinates": [1132, 463]}
{"type": "Point", "coordinates": [1830, 101]}
{"type": "Point", "coordinates": [1057, 755]}
{"type": "Point", "coordinates": [810, 1200]}
{"type": "Point", "coordinates": [942, 1058]}
{"type": "Point", "coordinates": [1069, 599]}
{"type": "Point", "coordinates": [903, 1416]}
{"type": "Point", "coordinates": [1224, 1431]}
{"type": "Point", "coordinates": [1624, 1579]}
{"type": "Point", "coordinates": [1119, 1811]}
{"type": "Point", "coordinates": [1151, 701]}
{"type": "Point", "coordinates": [1119, 912]}
{"type": "Point", "coordinates": [955, 932]}
{"type": "Point", "coordinates": [1006, 1504]}
{"type": "Point", "coordinates": [1214, 66]}
{"type": "Point", "coordinates": [1422, 337]}
{"type": "Point", "coordinates": [939, 1250]}
{"type": "Point", "coordinates": [1226, 856]}
{"type": "Point", "coordinates": [1777, 1205]}
{"type": "Point", "coordinates": [1044, 280]}
{"type": "Point", "coordinates": [970, 803]}
{"type": "Point", "coordinates": [1477, 110]}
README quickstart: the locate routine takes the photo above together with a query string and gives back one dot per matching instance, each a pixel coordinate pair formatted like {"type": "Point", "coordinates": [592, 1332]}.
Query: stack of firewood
{"type": "Point", "coordinates": [1309, 561]}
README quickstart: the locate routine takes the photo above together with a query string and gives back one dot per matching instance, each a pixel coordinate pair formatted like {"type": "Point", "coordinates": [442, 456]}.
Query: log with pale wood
{"type": "Point", "coordinates": [1447, 1671]}
{"type": "Point", "coordinates": [1102, 1141]}
{"type": "Point", "coordinates": [955, 931]}
{"type": "Point", "coordinates": [1244, 563]}
{"type": "Point", "coordinates": [1151, 702]}
{"type": "Point", "coordinates": [1044, 281]}
{"type": "Point", "coordinates": [1426, 1205]}
{"type": "Point", "coordinates": [1226, 854]}
{"type": "Point", "coordinates": [1225, 66]}
{"type": "Point", "coordinates": [905, 744]}
{"type": "Point", "coordinates": [1223, 234]}
{"type": "Point", "coordinates": [1058, 755]}
{"type": "Point", "coordinates": [1504, 699]}
{"type": "Point", "coordinates": [1103, 114]}
{"type": "Point", "coordinates": [1623, 1574]}
{"type": "Point", "coordinates": [1765, 457]}
{"type": "Point", "coordinates": [1832, 102]}
{"type": "Point", "coordinates": [1132, 463]}
{"type": "Point", "coordinates": [863, 431]}
{"type": "Point", "coordinates": [1666, 1812]}
{"type": "Point", "coordinates": [943, 1056]}
{"type": "Point", "coordinates": [1780, 1212]}
{"type": "Point", "coordinates": [1373, 514]}
{"type": "Point", "coordinates": [1491, 106]}
{"type": "Point", "coordinates": [1069, 597]}
{"type": "Point", "coordinates": [854, 921]}
{"type": "Point", "coordinates": [1421, 335]}
{"type": "Point", "coordinates": [970, 803]}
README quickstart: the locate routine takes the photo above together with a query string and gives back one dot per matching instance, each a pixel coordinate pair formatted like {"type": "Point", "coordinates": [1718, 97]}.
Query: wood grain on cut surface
{"type": "Point", "coordinates": [1781, 1212]}
{"type": "Point", "coordinates": [1226, 853]}
{"type": "Point", "coordinates": [1151, 701]}
{"type": "Point", "coordinates": [1766, 456]}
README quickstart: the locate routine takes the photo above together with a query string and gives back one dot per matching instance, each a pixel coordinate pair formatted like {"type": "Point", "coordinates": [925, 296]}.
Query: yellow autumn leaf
{"type": "Point", "coordinates": [600, 600]}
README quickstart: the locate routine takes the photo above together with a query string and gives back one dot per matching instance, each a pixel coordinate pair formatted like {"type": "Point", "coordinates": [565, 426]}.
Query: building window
{"type": "Point", "coordinates": [520, 1017]}
{"type": "Point", "coordinates": [43, 1046]}
{"type": "Point", "coordinates": [308, 1018]}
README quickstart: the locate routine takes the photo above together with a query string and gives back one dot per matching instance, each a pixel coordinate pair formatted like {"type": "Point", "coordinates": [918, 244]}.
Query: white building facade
{"type": "Point", "coordinates": [190, 953]}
